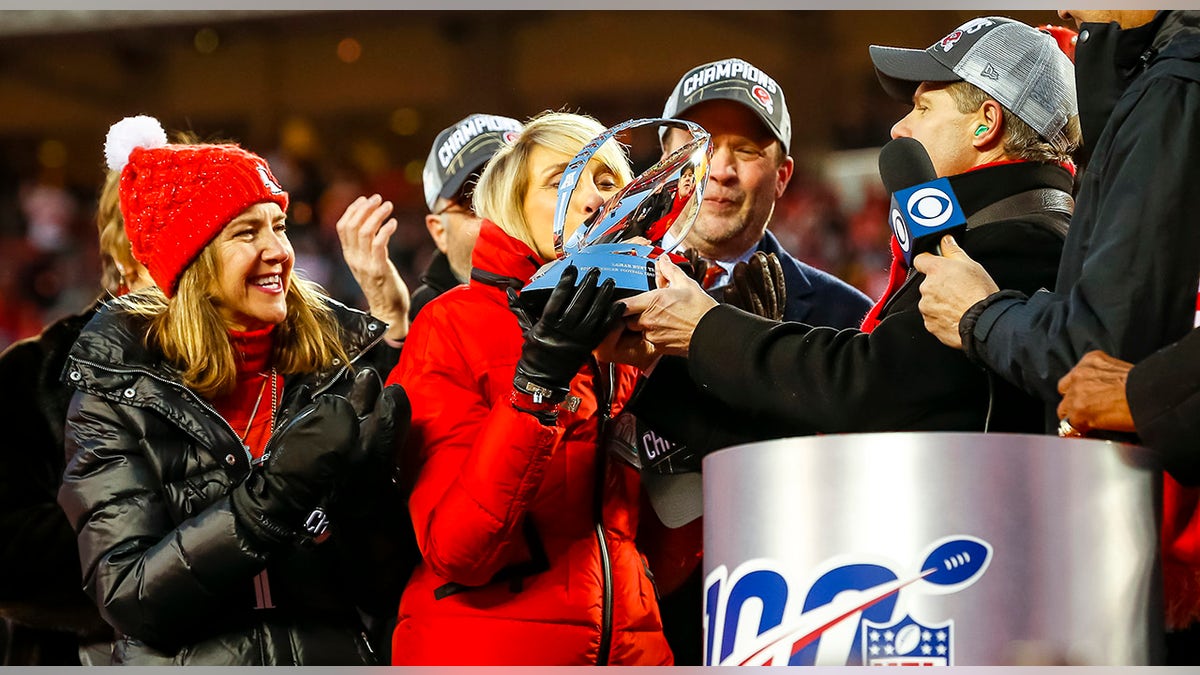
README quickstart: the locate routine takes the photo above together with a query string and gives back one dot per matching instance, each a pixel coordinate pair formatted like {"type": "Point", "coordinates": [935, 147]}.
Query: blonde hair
{"type": "Point", "coordinates": [1020, 140]}
{"type": "Point", "coordinates": [194, 338]}
{"type": "Point", "coordinates": [500, 193]}
{"type": "Point", "coordinates": [115, 254]}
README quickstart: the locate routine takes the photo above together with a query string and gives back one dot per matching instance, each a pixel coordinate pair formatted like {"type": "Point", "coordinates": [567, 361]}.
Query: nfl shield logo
{"type": "Point", "coordinates": [907, 643]}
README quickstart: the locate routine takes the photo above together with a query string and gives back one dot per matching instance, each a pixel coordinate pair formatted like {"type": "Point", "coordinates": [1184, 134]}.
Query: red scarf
{"type": "Point", "coordinates": [252, 351]}
{"type": "Point", "coordinates": [897, 273]}
{"type": "Point", "coordinates": [1180, 540]}
{"type": "Point", "coordinates": [1181, 553]}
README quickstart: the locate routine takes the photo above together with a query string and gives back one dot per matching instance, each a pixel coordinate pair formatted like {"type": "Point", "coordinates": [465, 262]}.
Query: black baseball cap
{"type": "Point", "coordinates": [670, 472]}
{"type": "Point", "coordinates": [734, 80]}
{"type": "Point", "coordinates": [462, 150]}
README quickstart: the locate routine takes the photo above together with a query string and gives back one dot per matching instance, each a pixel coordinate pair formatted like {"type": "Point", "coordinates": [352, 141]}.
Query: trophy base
{"type": "Point", "coordinates": [630, 266]}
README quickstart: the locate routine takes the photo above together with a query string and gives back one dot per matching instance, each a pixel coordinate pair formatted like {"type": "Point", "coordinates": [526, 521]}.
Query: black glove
{"type": "Point", "coordinates": [696, 266]}
{"type": "Point", "coordinates": [758, 286]}
{"type": "Point", "coordinates": [383, 415]}
{"type": "Point", "coordinates": [572, 325]}
{"type": "Point", "coordinates": [308, 459]}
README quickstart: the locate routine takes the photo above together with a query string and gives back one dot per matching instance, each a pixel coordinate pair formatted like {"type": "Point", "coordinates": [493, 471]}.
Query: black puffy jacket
{"type": "Point", "coordinates": [162, 556]}
{"type": "Point", "coordinates": [40, 588]}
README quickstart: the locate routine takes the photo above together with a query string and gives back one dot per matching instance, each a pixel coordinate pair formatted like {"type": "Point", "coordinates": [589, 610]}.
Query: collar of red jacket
{"type": "Point", "coordinates": [501, 255]}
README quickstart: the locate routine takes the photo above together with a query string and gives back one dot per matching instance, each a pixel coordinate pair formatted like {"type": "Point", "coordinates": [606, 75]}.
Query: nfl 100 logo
{"type": "Point", "coordinates": [852, 612]}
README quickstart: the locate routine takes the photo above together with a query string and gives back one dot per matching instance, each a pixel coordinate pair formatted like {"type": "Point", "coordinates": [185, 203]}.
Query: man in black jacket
{"type": "Point", "coordinates": [1158, 399]}
{"type": "Point", "coordinates": [1006, 155]}
{"type": "Point", "coordinates": [761, 379]}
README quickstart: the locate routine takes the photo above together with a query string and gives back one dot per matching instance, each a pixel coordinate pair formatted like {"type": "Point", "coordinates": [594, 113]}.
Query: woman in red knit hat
{"type": "Point", "coordinates": [526, 523]}
{"type": "Point", "coordinates": [225, 450]}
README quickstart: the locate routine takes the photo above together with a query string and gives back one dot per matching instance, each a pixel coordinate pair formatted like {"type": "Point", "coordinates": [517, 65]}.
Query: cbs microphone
{"type": "Point", "coordinates": [923, 207]}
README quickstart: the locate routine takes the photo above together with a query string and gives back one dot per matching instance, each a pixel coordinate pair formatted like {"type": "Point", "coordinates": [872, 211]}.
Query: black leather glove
{"type": "Point", "coordinates": [758, 287]}
{"type": "Point", "coordinates": [696, 266]}
{"type": "Point", "coordinates": [308, 459]}
{"type": "Point", "coordinates": [383, 415]}
{"type": "Point", "coordinates": [574, 322]}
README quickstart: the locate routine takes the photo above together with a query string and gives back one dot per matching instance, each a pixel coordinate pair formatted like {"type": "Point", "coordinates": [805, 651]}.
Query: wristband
{"type": "Point", "coordinates": [539, 393]}
{"type": "Point", "coordinates": [545, 411]}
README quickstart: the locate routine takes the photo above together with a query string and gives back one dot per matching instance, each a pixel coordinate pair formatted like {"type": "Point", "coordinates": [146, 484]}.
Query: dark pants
{"type": "Point", "coordinates": [1183, 646]}
{"type": "Point", "coordinates": [25, 646]}
{"type": "Point", "coordinates": [681, 612]}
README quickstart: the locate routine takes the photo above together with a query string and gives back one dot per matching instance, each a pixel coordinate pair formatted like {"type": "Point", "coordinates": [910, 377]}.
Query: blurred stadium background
{"type": "Point", "coordinates": [344, 103]}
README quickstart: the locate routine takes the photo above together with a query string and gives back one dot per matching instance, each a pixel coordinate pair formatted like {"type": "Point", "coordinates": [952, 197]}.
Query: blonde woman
{"type": "Point", "coordinates": [526, 524]}
{"type": "Point", "coordinates": [216, 432]}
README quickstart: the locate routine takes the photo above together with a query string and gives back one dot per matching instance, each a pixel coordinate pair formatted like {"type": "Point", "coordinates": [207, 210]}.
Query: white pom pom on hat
{"type": "Point", "coordinates": [141, 131]}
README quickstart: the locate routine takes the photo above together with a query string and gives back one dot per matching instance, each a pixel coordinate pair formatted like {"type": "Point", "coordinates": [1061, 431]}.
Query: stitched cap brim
{"type": "Point", "coordinates": [901, 71]}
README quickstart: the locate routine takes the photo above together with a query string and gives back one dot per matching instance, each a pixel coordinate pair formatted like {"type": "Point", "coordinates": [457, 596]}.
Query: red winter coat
{"type": "Point", "coordinates": [504, 508]}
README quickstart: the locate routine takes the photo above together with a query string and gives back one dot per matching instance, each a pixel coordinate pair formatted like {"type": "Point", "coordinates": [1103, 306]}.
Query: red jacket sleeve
{"type": "Point", "coordinates": [480, 461]}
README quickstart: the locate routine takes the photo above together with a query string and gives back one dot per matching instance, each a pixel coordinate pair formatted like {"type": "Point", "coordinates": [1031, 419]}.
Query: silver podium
{"type": "Point", "coordinates": [931, 549]}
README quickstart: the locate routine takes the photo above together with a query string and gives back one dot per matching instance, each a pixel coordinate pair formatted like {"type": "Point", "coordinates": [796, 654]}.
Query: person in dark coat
{"type": "Point", "coordinates": [47, 614]}
{"type": "Point", "coordinates": [1159, 400]}
{"type": "Point", "coordinates": [230, 472]}
{"type": "Point", "coordinates": [1128, 279]}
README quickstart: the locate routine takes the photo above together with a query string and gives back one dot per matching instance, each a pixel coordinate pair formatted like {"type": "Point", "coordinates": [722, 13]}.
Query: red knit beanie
{"type": "Point", "coordinates": [176, 198]}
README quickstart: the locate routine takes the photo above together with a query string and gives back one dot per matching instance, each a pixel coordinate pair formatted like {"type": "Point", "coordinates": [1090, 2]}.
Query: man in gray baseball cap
{"type": "Point", "coordinates": [1018, 66]}
{"type": "Point", "coordinates": [458, 156]}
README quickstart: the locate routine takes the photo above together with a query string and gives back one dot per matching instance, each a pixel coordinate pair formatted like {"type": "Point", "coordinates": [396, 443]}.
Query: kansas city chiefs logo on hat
{"type": "Point", "coordinates": [269, 182]}
{"type": "Point", "coordinates": [948, 41]}
{"type": "Point", "coordinates": [969, 28]}
{"type": "Point", "coordinates": [764, 98]}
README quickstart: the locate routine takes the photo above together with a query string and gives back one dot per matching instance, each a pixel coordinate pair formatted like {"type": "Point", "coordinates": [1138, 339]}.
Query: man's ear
{"type": "Point", "coordinates": [783, 175]}
{"type": "Point", "coordinates": [989, 126]}
{"type": "Point", "coordinates": [437, 230]}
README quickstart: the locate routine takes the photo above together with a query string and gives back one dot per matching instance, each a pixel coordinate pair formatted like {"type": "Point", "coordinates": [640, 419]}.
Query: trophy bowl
{"type": "Point", "coordinates": [645, 220]}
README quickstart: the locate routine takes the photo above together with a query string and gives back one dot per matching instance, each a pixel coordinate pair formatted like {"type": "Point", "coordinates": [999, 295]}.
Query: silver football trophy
{"type": "Point", "coordinates": [624, 237]}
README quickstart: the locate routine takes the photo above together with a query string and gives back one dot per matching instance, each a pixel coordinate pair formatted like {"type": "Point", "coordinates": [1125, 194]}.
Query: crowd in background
{"type": "Point", "coordinates": [49, 263]}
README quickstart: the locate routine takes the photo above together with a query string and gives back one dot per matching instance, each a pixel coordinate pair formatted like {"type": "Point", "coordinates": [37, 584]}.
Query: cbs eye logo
{"type": "Point", "coordinates": [929, 207]}
{"type": "Point", "coordinates": [900, 230]}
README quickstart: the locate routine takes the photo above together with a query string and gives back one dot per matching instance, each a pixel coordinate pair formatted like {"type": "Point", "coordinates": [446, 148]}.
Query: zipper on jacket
{"type": "Point", "coordinates": [606, 608]}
